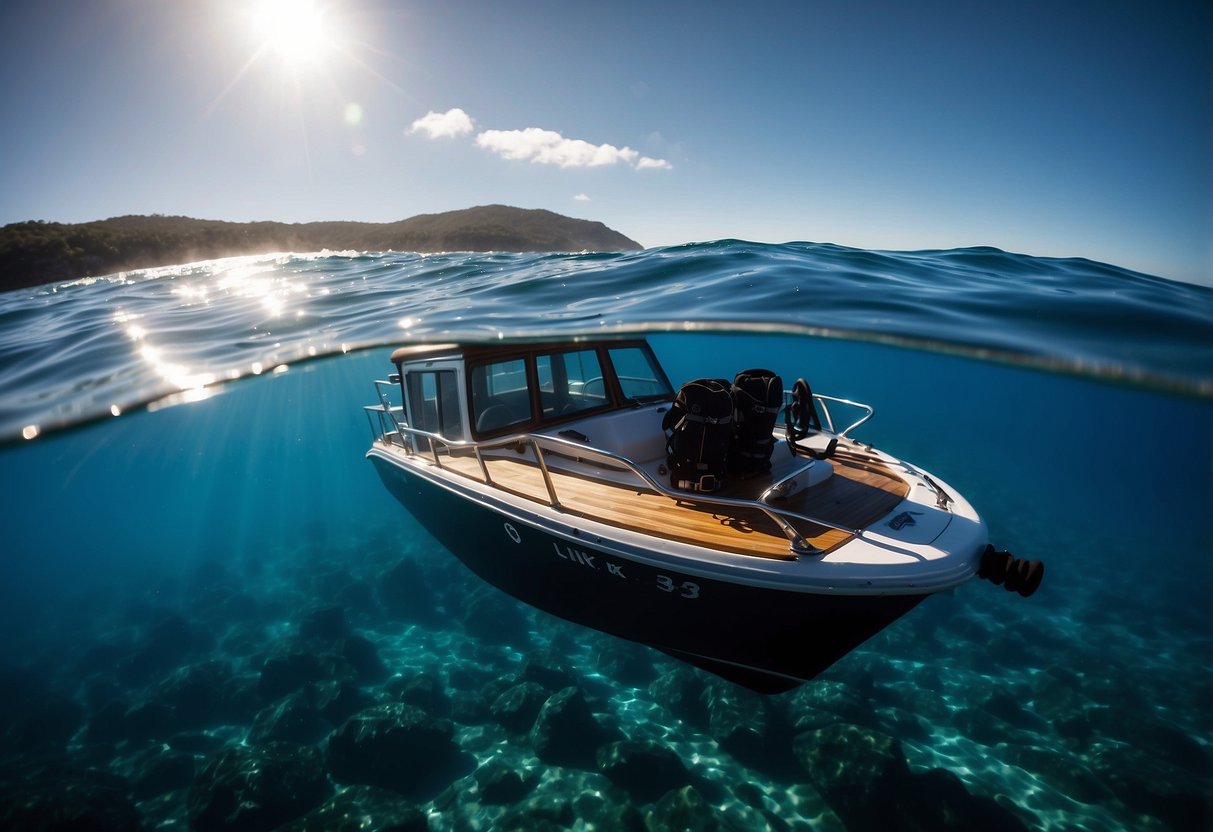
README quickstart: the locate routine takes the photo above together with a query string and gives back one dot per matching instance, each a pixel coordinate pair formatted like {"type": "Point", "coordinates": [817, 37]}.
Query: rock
{"type": "Point", "coordinates": [197, 694]}
{"type": "Point", "coordinates": [680, 691]}
{"type": "Point", "coordinates": [517, 707]}
{"type": "Point", "coordinates": [395, 746]}
{"type": "Point", "coordinates": [161, 772]}
{"type": "Point", "coordinates": [595, 810]}
{"type": "Point", "coordinates": [644, 768]}
{"type": "Point", "coordinates": [500, 783]}
{"type": "Point", "coordinates": [252, 788]}
{"type": "Point", "coordinates": [363, 656]}
{"type": "Point", "coordinates": [470, 709]}
{"type": "Point", "coordinates": [169, 641]}
{"type": "Point", "coordinates": [938, 800]}
{"type": "Point", "coordinates": [683, 810]}
{"type": "Point", "coordinates": [293, 718]}
{"type": "Point", "coordinates": [1152, 785]}
{"type": "Point", "coordinates": [565, 731]}
{"type": "Point", "coordinates": [425, 691]}
{"type": "Point", "coordinates": [335, 701]}
{"type": "Point", "coordinates": [849, 765]}
{"type": "Point", "coordinates": [625, 663]}
{"type": "Point", "coordinates": [362, 809]}
{"type": "Point", "coordinates": [551, 676]}
{"type": "Point", "coordinates": [291, 664]}
{"type": "Point", "coordinates": [540, 813]}
{"type": "Point", "coordinates": [67, 799]}
{"type": "Point", "coordinates": [323, 624]}
{"type": "Point", "coordinates": [738, 719]}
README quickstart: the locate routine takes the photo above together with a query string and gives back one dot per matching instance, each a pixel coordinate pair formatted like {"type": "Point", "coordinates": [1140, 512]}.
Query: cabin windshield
{"type": "Point", "coordinates": [640, 377]}
{"type": "Point", "coordinates": [549, 384]}
{"type": "Point", "coordinates": [570, 382]}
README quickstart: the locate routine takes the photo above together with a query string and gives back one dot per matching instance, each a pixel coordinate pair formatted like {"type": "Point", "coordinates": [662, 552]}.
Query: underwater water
{"type": "Point", "coordinates": [215, 617]}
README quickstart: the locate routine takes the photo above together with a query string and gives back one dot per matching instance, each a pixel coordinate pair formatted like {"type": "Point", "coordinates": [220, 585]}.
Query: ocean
{"type": "Point", "coordinates": [207, 596]}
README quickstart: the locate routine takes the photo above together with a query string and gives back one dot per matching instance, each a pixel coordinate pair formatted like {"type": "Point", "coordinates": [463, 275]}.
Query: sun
{"type": "Point", "coordinates": [297, 32]}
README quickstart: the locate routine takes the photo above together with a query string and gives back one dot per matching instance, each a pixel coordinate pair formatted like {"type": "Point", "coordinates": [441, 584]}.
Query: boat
{"type": "Point", "coordinates": [762, 543]}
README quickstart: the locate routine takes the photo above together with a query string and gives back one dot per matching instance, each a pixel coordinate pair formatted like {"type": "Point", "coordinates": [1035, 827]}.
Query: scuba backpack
{"type": "Point", "coordinates": [699, 428]}
{"type": "Point", "coordinates": [757, 400]}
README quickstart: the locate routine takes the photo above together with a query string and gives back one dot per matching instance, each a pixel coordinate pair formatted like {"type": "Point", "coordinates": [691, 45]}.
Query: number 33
{"type": "Point", "coordinates": [687, 589]}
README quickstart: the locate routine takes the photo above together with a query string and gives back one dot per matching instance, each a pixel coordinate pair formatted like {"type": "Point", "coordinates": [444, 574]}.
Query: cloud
{"type": "Point", "coordinates": [454, 122]}
{"type": "Point", "coordinates": [582, 197]}
{"type": "Point", "coordinates": [647, 163]}
{"type": "Point", "coordinates": [547, 147]}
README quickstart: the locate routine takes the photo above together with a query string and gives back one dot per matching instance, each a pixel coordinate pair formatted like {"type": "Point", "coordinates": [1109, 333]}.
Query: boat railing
{"type": "Point", "coordinates": [434, 446]}
{"type": "Point", "coordinates": [824, 403]}
{"type": "Point", "coordinates": [387, 416]}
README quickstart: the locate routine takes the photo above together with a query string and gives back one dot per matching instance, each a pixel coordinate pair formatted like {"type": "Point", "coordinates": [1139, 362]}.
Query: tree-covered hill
{"type": "Point", "coordinates": [33, 253]}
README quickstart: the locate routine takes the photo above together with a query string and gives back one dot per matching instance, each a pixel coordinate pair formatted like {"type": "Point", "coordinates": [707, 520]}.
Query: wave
{"type": "Point", "coordinates": [77, 351]}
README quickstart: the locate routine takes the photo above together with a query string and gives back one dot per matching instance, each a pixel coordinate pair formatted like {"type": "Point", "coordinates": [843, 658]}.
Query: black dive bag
{"type": "Point", "coordinates": [757, 400]}
{"type": "Point", "coordinates": [699, 428]}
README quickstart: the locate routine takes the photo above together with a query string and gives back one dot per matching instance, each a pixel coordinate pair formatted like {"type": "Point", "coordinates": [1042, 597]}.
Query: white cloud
{"type": "Point", "coordinates": [454, 122]}
{"type": "Point", "coordinates": [648, 163]}
{"type": "Point", "coordinates": [547, 147]}
{"type": "Point", "coordinates": [582, 197]}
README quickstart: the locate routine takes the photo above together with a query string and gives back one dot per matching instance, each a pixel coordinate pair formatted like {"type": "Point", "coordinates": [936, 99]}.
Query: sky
{"type": "Point", "coordinates": [1081, 128]}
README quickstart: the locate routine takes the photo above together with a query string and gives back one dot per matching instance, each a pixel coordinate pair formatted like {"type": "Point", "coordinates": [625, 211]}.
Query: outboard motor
{"type": "Point", "coordinates": [1014, 574]}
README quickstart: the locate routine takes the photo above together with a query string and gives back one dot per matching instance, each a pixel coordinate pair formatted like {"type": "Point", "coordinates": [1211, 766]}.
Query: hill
{"type": "Point", "coordinates": [33, 253]}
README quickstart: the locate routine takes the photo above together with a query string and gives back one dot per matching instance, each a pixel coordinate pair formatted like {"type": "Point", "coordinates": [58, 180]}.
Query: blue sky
{"type": "Point", "coordinates": [1051, 128]}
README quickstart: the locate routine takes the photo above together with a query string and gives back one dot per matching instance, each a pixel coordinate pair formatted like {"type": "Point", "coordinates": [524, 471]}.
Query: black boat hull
{"type": "Point", "coordinates": [767, 639]}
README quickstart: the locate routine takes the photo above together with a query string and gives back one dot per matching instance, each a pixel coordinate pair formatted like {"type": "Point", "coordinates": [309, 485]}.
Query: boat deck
{"type": "Point", "coordinates": [860, 492]}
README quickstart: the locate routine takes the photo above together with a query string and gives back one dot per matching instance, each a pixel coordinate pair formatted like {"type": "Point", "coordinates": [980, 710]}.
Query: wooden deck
{"type": "Point", "coordinates": [858, 494]}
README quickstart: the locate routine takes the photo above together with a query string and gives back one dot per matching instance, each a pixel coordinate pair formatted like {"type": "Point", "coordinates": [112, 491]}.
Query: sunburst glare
{"type": "Point", "coordinates": [299, 33]}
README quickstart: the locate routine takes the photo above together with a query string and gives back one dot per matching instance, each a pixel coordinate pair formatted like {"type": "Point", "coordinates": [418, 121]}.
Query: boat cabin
{"type": "Point", "coordinates": [478, 392]}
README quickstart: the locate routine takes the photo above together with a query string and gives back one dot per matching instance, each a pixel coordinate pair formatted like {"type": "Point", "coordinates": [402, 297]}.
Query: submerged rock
{"type": "Point", "coordinates": [252, 788]}
{"type": "Point", "coordinates": [362, 809]}
{"type": "Point", "coordinates": [160, 772]}
{"type": "Point", "coordinates": [645, 769]}
{"type": "Point", "coordinates": [423, 690]}
{"type": "Point", "coordinates": [293, 718]}
{"type": "Point", "coordinates": [200, 695]}
{"type": "Point", "coordinates": [63, 798]}
{"type": "Point", "coordinates": [626, 663]}
{"type": "Point", "coordinates": [849, 764]}
{"type": "Point", "coordinates": [566, 732]}
{"type": "Point", "coordinates": [395, 746]}
{"type": "Point", "coordinates": [540, 813]}
{"type": "Point", "coordinates": [500, 783]}
{"type": "Point", "coordinates": [680, 690]}
{"type": "Point", "coordinates": [517, 707]}
{"type": "Point", "coordinates": [686, 809]}
{"type": "Point", "coordinates": [291, 664]}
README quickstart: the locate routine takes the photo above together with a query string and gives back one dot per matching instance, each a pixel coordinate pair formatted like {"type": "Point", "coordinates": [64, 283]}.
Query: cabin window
{"type": "Point", "coordinates": [570, 382]}
{"type": "Point", "coordinates": [640, 377]}
{"type": "Point", "coordinates": [500, 395]}
{"type": "Point", "coordinates": [434, 402]}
